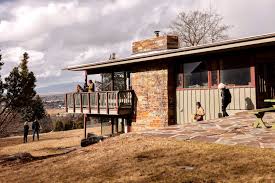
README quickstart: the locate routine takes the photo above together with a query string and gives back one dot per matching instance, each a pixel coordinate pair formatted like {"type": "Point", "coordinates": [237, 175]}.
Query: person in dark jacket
{"type": "Point", "coordinates": [35, 129]}
{"type": "Point", "coordinates": [26, 132]}
{"type": "Point", "coordinates": [226, 98]}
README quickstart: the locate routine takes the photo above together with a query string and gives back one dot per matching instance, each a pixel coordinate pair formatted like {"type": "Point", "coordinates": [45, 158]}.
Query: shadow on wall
{"type": "Point", "coordinates": [249, 104]}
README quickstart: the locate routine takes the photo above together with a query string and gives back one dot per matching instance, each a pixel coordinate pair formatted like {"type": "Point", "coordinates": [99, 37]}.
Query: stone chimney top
{"type": "Point", "coordinates": [158, 43]}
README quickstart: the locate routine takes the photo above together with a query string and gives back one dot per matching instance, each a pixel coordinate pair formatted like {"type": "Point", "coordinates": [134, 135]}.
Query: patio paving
{"type": "Point", "coordinates": [232, 130]}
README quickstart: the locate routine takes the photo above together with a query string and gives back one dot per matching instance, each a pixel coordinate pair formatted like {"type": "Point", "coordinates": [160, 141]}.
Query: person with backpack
{"type": "Point", "coordinates": [26, 132]}
{"type": "Point", "coordinates": [226, 98]}
{"type": "Point", "coordinates": [35, 129]}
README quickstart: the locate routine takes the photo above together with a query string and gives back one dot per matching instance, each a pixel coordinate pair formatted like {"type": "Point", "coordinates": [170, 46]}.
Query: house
{"type": "Point", "coordinates": [162, 82]}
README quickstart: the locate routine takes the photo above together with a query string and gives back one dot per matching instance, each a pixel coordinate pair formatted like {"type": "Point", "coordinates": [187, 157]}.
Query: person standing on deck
{"type": "Point", "coordinates": [26, 131]}
{"type": "Point", "coordinates": [91, 86]}
{"type": "Point", "coordinates": [35, 129]}
{"type": "Point", "coordinates": [226, 98]}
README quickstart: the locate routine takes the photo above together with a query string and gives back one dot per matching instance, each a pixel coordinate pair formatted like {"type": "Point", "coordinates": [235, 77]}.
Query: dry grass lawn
{"type": "Point", "coordinates": [135, 158]}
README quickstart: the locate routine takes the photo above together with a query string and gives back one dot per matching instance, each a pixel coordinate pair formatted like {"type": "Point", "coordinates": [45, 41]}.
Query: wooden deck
{"type": "Point", "coordinates": [100, 103]}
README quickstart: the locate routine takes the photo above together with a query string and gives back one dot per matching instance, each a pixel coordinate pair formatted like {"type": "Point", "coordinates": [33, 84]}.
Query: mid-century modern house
{"type": "Point", "coordinates": [163, 82]}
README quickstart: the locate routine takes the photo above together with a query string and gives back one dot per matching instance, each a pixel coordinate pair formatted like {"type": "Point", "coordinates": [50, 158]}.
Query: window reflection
{"type": "Point", "coordinates": [195, 75]}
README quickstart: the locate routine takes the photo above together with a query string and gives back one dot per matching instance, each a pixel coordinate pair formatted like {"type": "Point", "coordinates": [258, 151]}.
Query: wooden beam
{"type": "Point", "coordinates": [112, 123]}
{"type": "Point", "coordinates": [85, 125]}
{"type": "Point", "coordinates": [116, 120]}
{"type": "Point", "coordinates": [125, 80]}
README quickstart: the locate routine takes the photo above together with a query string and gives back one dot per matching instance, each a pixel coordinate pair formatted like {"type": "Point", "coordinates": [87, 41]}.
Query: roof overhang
{"type": "Point", "coordinates": [248, 42]}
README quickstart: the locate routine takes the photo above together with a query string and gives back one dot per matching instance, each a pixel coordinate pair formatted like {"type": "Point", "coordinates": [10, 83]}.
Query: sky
{"type": "Point", "coordinates": [61, 33]}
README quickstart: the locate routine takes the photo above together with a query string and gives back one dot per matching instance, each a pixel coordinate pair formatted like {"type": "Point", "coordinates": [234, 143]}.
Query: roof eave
{"type": "Point", "coordinates": [239, 43]}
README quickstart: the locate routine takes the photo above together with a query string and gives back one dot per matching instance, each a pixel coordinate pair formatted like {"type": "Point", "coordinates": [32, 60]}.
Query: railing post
{"type": "Point", "coordinates": [97, 102]}
{"type": "Point", "coordinates": [89, 102]}
{"type": "Point", "coordinates": [74, 102]}
{"type": "Point", "coordinates": [66, 102]}
{"type": "Point", "coordinates": [117, 101]}
{"type": "Point", "coordinates": [81, 105]}
{"type": "Point", "coordinates": [107, 103]}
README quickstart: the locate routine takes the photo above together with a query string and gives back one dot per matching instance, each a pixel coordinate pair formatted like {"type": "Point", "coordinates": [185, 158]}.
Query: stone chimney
{"type": "Point", "coordinates": [156, 43]}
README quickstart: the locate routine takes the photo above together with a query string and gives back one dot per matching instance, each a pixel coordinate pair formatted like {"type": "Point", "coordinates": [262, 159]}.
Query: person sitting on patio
{"type": "Point", "coordinates": [199, 112]}
{"type": "Point", "coordinates": [79, 89]}
{"type": "Point", "coordinates": [91, 86]}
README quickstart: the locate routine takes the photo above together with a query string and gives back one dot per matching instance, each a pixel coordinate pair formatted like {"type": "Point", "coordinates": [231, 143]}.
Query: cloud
{"type": "Point", "coordinates": [57, 34]}
{"type": "Point", "coordinates": [28, 21]}
{"type": "Point", "coordinates": [14, 55]}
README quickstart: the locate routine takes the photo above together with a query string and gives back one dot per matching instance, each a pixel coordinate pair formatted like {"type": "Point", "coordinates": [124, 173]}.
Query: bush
{"type": "Point", "coordinates": [78, 125]}
{"type": "Point", "coordinates": [68, 125]}
{"type": "Point", "coordinates": [58, 126]}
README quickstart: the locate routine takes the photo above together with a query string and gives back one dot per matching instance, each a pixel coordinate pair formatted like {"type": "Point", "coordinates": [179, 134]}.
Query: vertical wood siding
{"type": "Point", "coordinates": [211, 102]}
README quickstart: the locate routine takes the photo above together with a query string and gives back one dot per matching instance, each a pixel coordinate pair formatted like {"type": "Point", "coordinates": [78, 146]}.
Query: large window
{"type": "Point", "coordinates": [235, 73]}
{"type": "Point", "coordinates": [195, 75]}
{"type": "Point", "coordinates": [232, 71]}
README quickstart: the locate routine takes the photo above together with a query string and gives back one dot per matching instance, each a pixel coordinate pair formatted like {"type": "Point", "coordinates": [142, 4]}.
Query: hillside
{"type": "Point", "coordinates": [57, 88]}
{"type": "Point", "coordinates": [133, 158]}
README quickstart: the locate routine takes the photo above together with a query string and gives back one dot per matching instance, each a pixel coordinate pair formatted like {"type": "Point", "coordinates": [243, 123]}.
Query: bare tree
{"type": "Point", "coordinates": [199, 27]}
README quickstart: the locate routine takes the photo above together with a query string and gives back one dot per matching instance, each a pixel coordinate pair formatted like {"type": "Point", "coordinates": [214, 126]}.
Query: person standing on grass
{"type": "Point", "coordinates": [35, 129]}
{"type": "Point", "coordinates": [26, 131]}
{"type": "Point", "coordinates": [226, 98]}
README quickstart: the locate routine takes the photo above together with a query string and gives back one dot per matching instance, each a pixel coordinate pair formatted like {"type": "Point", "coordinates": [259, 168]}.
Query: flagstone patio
{"type": "Point", "coordinates": [232, 130]}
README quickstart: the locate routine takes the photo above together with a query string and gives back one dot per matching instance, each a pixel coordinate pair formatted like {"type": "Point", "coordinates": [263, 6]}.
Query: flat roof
{"type": "Point", "coordinates": [185, 51]}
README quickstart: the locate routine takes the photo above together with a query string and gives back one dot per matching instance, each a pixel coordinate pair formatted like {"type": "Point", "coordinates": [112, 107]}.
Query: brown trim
{"type": "Point", "coordinates": [209, 74]}
{"type": "Point", "coordinates": [213, 88]}
{"type": "Point", "coordinates": [252, 71]}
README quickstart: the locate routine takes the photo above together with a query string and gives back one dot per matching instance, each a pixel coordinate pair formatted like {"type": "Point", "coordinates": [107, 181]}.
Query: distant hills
{"type": "Point", "coordinates": [57, 88]}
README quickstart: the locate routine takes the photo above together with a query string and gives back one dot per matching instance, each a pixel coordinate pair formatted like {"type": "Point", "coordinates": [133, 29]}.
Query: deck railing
{"type": "Point", "coordinates": [106, 102]}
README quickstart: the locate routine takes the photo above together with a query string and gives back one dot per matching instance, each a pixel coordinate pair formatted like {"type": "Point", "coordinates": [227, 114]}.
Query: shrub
{"type": "Point", "coordinates": [58, 126]}
{"type": "Point", "coordinates": [78, 125]}
{"type": "Point", "coordinates": [68, 125]}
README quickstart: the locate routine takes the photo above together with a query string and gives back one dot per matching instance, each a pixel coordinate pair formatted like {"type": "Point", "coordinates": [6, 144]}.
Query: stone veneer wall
{"type": "Point", "coordinates": [151, 89]}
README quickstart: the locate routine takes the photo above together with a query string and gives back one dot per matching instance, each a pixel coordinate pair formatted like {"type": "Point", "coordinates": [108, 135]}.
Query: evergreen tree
{"type": "Point", "coordinates": [1, 82]}
{"type": "Point", "coordinates": [19, 93]}
{"type": "Point", "coordinates": [24, 65]}
{"type": "Point", "coordinates": [35, 110]}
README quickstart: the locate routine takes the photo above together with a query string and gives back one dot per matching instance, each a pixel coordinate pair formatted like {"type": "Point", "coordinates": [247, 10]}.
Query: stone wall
{"type": "Point", "coordinates": [151, 89]}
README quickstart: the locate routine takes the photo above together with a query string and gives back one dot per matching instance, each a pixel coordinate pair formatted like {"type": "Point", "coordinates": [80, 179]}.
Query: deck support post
{"type": "Point", "coordinates": [116, 121]}
{"type": "Point", "coordinates": [85, 125]}
{"type": "Point", "coordinates": [122, 125]}
{"type": "Point", "coordinates": [112, 123]}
